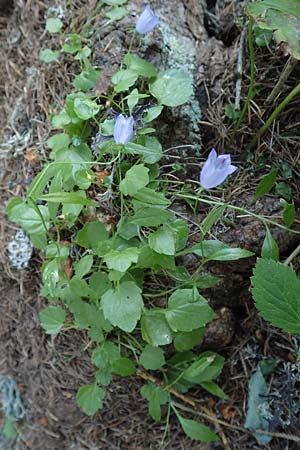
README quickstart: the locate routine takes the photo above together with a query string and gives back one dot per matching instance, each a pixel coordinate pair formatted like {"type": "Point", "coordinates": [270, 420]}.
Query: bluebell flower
{"type": "Point", "coordinates": [215, 170]}
{"type": "Point", "coordinates": [147, 21]}
{"type": "Point", "coordinates": [123, 130]}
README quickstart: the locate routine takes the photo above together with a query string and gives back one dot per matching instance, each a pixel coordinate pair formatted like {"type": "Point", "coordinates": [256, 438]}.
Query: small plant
{"type": "Point", "coordinates": [101, 213]}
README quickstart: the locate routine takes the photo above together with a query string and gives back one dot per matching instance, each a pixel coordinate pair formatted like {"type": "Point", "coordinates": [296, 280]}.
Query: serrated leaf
{"type": "Point", "coordinates": [52, 319]}
{"type": "Point", "coordinates": [123, 306]}
{"type": "Point", "coordinates": [89, 398]}
{"type": "Point", "coordinates": [276, 291]}
{"type": "Point", "coordinates": [152, 358]}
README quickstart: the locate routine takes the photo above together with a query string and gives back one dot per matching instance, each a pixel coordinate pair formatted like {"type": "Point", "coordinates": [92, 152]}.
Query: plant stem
{"type": "Point", "coordinates": [275, 114]}
{"type": "Point", "coordinates": [252, 78]}
{"type": "Point", "coordinates": [287, 70]}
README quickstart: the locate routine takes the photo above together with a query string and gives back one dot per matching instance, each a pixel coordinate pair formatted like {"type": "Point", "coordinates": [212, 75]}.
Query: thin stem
{"type": "Point", "coordinates": [252, 77]}
{"type": "Point", "coordinates": [292, 256]}
{"type": "Point", "coordinates": [275, 114]}
{"type": "Point", "coordinates": [242, 210]}
{"type": "Point", "coordinates": [287, 70]}
{"type": "Point", "coordinates": [166, 427]}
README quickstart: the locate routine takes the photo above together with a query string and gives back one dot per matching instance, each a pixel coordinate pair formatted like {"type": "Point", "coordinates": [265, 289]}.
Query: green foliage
{"type": "Point", "coordinates": [89, 398]}
{"type": "Point", "coordinates": [266, 184]}
{"type": "Point", "coordinates": [270, 248]}
{"type": "Point", "coordinates": [283, 18]}
{"type": "Point", "coordinates": [102, 215]}
{"type": "Point", "coordinates": [54, 25]}
{"type": "Point", "coordinates": [276, 291]}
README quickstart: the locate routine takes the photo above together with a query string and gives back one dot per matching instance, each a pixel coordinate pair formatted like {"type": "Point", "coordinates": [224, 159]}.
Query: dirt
{"type": "Point", "coordinates": [48, 370]}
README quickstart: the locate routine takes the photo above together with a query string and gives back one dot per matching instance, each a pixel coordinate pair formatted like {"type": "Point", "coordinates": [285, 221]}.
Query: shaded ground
{"type": "Point", "coordinates": [49, 370]}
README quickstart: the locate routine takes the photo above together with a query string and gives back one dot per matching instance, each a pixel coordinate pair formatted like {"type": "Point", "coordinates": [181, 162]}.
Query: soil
{"type": "Point", "coordinates": [49, 370]}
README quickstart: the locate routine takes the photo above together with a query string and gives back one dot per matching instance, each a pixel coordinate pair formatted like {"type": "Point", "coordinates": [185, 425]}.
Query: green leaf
{"type": "Point", "coordinates": [283, 18]}
{"type": "Point", "coordinates": [155, 329]}
{"type": "Point", "coordinates": [151, 216]}
{"type": "Point", "coordinates": [186, 340]}
{"type": "Point", "coordinates": [148, 258]}
{"type": "Point", "coordinates": [9, 428]}
{"type": "Point", "coordinates": [72, 44]}
{"type": "Point", "coordinates": [156, 397]}
{"type": "Point", "coordinates": [61, 119]}
{"type": "Point", "coordinates": [289, 212]}
{"type": "Point", "coordinates": [197, 431]}
{"type": "Point", "coordinates": [266, 184]}
{"type": "Point", "coordinates": [87, 79]}
{"type": "Point", "coordinates": [54, 25]}
{"type": "Point", "coordinates": [150, 196]}
{"type": "Point", "coordinates": [276, 291]}
{"type": "Point", "coordinates": [83, 54]}
{"type": "Point", "coordinates": [214, 250]}
{"type": "Point", "coordinates": [83, 266]}
{"type": "Point", "coordinates": [207, 367]}
{"type": "Point", "coordinates": [211, 219]}
{"type": "Point", "coordinates": [123, 79]}
{"type": "Point", "coordinates": [121, 260]}
{"type": "Point", "coordinates": [284, 190]}
{"type": "Point", "coordinates": [135, 179]}
{"type": "Point", "coordinates": [270, 248]}
{"type": "Point", "coordinates": [99, 283]}
{"type": "Point", "coordinates": [58, 141]}
{"type": "Point", "coordinates": [152, 113]}
{"type": "Point", "coordinates": [258, 390]}
{"type": "Point", "coordinates": [172, 87]}
{"type": "Point", "coordinates": [49, 56]}
{"type": "Point", "coordinates": [89, 398]}
{"type": "Point", "coordinates": [103, 377]}
{"type": "Point", "coordinates": [123, 367]}
{"type": "Point", "coordinates": [91, 234]}
{"type": "Point", "coordinates": [152, 358]}
{"type": "Point", "coordinates": [117, 13]}
{"type": "Point", "coordinates": [180, 230]}
{"type": "Point", "coordinates": [67, 197]}
{"type": "Point", "coordinates": [104, 355]}
{"type": "Point", "coordinates": [123, 306]}
{"type": "Point", "coordinates": [27, 217]}
{"type": "Point", "coordinates": [188, 310]}
{"type": "Point", "coordinates": [150, 150]}
{"type": "Point", "coordinates": [140, 66]}
{"type": "Point", "coordinates": [214, 389]}
{"type": "Point", "coordinates": [163, 241]}
{"type": "Point", "coordinates": [85, 108]}
{"type": "Point", "coordinates": [52, 319]}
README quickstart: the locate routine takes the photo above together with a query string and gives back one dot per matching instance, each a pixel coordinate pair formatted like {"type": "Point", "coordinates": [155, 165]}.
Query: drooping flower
{"type": "Point", "coordinates": [215, 170]}
{"type": "Point", "coordinates": [147, 21]}
{"type": "Point", "coordinates": [123, 129]}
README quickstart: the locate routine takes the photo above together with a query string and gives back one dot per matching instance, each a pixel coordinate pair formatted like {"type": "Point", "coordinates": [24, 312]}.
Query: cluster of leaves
{"type": "Point", "coordinates": [103, 218]}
